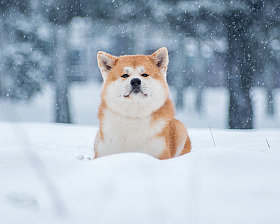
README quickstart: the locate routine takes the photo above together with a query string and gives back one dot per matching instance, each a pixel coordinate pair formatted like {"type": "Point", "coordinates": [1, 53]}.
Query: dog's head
{"type": "Point", "coordinates": [134, 85]}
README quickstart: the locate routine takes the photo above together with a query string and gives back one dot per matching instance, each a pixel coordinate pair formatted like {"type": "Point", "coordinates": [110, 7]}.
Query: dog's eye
{"type": "Point", "coordinates": [125, 76]}
{"type": "Point", "coordinates": [145, 75]}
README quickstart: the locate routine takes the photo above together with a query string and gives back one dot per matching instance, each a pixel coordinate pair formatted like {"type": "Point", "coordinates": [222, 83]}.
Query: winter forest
{"type": "Point", "coordinates": [232, 46]}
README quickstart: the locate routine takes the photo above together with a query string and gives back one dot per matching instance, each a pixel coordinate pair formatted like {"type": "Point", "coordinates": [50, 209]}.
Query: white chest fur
{"type": "Point", "coordinates": [124, 134]}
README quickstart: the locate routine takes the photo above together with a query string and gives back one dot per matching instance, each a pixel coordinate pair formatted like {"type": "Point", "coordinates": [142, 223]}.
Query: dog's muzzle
{"type": "Point", "coordinates": [135, 87]}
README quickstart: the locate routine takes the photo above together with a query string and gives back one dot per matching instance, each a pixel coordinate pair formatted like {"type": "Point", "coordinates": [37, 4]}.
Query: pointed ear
{"type": "Point", "coordinates": [160, 59]}
{"type": "Point", "coordinates": [105, 62]}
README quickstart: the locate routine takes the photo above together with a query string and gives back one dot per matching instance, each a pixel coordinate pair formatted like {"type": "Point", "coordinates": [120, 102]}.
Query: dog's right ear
{"type": "Point", "coordinates": [105, 62]}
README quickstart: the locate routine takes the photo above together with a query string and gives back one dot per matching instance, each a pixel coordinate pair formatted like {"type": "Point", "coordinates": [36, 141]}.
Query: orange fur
{"type": "Point", "coordinates": [173, 132]}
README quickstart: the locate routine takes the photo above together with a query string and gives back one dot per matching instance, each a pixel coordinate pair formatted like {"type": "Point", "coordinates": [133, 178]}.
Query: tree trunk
{"type": "Point", "coordinates": [240, 72]}
{"type": "Point", "coordinates": [62, 107]}
{"type": "Point", "coordinates": [180, 98]}
{"type": "Point", "coordinates": [200, 78]}
{"type": "Point", "coordinates": [198, 104]}
{"type": "Point", "coordinates": [269, 81]}
{"type": "Point", "coordinates": [270, 107]}
{"type": "Point", "coordinates": [179, 78]}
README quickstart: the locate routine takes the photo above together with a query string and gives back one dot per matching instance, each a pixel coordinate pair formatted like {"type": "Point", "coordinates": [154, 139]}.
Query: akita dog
{"type": "Point", "coordinates": [136, 114]}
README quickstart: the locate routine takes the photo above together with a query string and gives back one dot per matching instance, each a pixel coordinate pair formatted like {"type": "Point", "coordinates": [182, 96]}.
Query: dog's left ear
{"type": "Point", "coordinates": [160, 59]}
{"type": "Point", "coordinates": [105, 62]}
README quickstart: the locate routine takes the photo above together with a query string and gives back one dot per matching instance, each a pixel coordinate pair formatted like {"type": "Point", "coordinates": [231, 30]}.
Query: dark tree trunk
{"type": "Point", "coordinates": [198, 103]}
{"type": "Point", "coordinates": [62, 107]}
{"type": "Point", "coordinates": [269, 80]}
{"type": "Point", "coordinates": [180, 98]}
{"type": "Point", "coordinates": [240, 72]}
{"type": "Point", "coordinates": [270, 107]}
{"type": "Point", "coordinates": [179, 76]}
{"type": "Point", "coordinates": [200, 79]}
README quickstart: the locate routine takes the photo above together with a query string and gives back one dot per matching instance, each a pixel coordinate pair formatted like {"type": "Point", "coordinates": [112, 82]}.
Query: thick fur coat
{"type": "Point", "coordinates": [136, 114]}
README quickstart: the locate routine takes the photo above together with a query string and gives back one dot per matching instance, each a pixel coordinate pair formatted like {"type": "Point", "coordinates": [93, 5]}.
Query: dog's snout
{"type": "Point", "coordinates": [135, 82]}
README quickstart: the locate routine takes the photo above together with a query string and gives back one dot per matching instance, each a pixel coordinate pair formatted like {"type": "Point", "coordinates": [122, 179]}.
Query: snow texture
{"type": "Point", "coordinates": [48, 175]}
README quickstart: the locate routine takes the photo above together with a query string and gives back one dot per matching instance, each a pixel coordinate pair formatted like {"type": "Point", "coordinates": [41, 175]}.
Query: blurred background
{"type": "Point", "coordinates": [223, 70]}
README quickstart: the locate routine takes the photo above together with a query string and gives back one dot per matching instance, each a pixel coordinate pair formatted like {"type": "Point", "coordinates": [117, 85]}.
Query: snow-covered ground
{"type": "Point", "coordinates": [48, 176]}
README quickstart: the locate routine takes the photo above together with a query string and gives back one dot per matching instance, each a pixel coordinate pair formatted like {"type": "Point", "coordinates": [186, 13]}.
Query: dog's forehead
{"type": "Point", "coordinates": [139, 69]}
{"type": "Point", "coordinates": [134, 63]}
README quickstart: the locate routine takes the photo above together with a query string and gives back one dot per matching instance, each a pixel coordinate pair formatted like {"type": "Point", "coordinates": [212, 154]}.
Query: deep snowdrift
{"type": "Point", "coordinates": [48, 176]}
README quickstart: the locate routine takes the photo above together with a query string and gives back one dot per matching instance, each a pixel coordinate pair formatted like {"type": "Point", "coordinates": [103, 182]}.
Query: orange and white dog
{"type": "Point", "coordinates": [136, 114]}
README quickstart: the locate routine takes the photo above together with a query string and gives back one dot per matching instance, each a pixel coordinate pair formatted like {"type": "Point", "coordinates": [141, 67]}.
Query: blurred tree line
{"type": "Point", "coordinates": [235, 44]}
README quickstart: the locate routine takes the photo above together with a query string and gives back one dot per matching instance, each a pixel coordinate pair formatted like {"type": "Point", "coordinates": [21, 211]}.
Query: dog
{"type": "Point", "coordinates": [136, 113]}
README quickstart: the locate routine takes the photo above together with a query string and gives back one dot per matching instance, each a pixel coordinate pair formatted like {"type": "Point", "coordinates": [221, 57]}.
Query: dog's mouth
{"type": "Point", "coordinates": [135, 92]}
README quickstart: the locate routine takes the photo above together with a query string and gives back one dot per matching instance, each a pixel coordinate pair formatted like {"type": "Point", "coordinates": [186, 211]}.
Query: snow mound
{"type": "Point", "coordinates": [48, 176]}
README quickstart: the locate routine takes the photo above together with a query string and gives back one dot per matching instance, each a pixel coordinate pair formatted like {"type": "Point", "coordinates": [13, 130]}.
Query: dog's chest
{"type": "Point", "coordinates": [123, 134]}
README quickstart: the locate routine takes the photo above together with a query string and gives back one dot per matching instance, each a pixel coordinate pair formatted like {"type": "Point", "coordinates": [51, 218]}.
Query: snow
{"type": "Point", "coordinates": [48, 176]}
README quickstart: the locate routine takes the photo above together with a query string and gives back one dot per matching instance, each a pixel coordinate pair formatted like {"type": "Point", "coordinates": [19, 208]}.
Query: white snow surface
{"type": "Point", "coordinates": [48, 175]}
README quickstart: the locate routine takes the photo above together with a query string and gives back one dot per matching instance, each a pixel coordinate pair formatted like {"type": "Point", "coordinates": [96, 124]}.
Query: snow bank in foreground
{"type": "Point", "coordinates": [42, 181]}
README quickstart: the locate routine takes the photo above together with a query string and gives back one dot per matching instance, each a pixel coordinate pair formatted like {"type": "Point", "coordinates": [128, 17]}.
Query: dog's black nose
{"type": "Point", "coordinates": [135, 82]}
